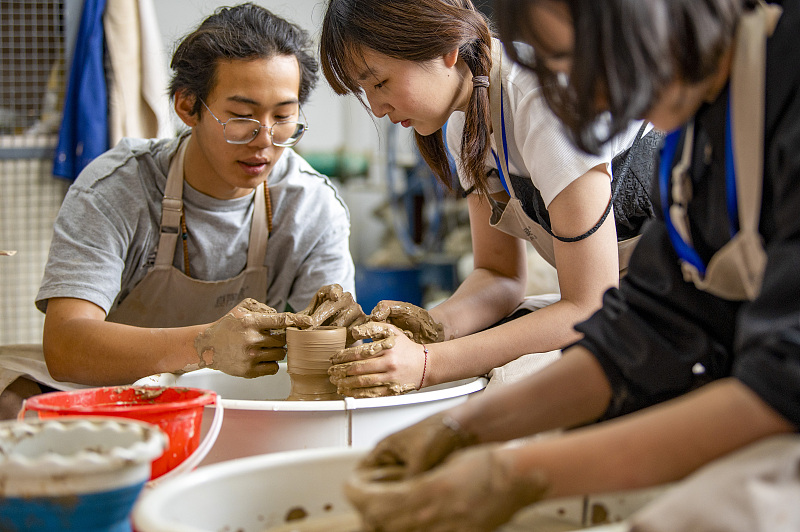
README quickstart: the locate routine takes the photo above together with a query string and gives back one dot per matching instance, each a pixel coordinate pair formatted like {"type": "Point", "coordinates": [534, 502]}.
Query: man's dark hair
{"type": "Point", "coordinates": [243, 32]}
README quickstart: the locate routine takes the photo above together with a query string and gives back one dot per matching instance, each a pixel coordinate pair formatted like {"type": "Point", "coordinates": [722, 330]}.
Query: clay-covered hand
{"type": "Point", "coordinates": [419, 447]}
{"type": "Point", "coordinates": [413, 320]}
{"type": "Point", "coordinates": [247, 341]}
{"type": "Point", "coordinates": [331, 305]}
{"type": "Point", "coordinates": [389, 365]}
{"type": "Point", "coordinates": [476, 490]}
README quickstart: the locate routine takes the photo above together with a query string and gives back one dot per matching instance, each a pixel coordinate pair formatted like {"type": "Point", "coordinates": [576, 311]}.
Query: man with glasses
{"type": "Point", "coordinates": [174, 254]}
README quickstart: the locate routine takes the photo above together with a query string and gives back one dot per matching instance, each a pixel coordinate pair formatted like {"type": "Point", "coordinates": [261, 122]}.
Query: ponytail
{"type": "Point", "coordinates": [475, 144]}
{"type": "Point", "coordinates": [440, 26]}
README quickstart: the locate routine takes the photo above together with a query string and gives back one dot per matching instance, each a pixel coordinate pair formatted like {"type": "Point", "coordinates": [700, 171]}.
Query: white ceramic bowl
{"type": "Point", "coordinates": [260, 492]}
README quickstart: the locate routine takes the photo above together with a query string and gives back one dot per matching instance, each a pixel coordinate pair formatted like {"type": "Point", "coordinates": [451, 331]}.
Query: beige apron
{"type": "Point", "coordinates": [736, 271]}
{"type": "Point", "coordinates": [511, 218]}
{"type": "Point", "coordinates": [167, 297]}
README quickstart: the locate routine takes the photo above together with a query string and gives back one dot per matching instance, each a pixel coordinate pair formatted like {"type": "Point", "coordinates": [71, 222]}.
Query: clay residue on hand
{"type": "Point", "coordinates": [331, 305]}
{"type": "Point", "coordinates": [218, 334]}
{"type": "Point", "coordinates": [253, 305]}
{"type": "Point", "coordinates": [373, 330]}
{"type": "Point", "coordinates": [475, 489]}
{"type": "Point", "coordinates": [357, 354]}
{"type": "Point", "coordinates": [415, 321]}
{"type": "Point", "coordinates": [225, 342]}
{"type": "Point", "coordinates": [339, 370]}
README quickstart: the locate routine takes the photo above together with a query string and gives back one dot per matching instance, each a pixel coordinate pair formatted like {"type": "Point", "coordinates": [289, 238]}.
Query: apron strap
{"type": "Point", "coordinates": [748, 80]}
{"type": "Point", "coordinates": [736, 270]}
{"type": "Point", "coordinates": [171, 208]}
{"type": "Point", "coordinates": [259, 233]}
{"type": "Point", "coordinates": [496, 111]}
{"type": "Point", "coordinates": [681, 190]}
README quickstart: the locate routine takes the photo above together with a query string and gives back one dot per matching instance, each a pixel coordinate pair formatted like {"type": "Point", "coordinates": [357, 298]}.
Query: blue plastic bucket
{"type": "Point", "coordinates": [377, 284]}
{"type": "Point", "coordinates": [106, 511]}
{"type": "Point", "coordinates": [78, 473]}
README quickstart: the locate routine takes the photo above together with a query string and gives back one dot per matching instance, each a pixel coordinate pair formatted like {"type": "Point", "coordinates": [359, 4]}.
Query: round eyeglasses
{"type": "Point", "coordinates": [243, 130]}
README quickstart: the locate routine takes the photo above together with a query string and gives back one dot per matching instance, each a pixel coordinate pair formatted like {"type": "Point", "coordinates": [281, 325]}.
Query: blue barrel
{"type": "Point", "coordinates": [107, 511]}
{"type": "Point", "coordinates": [376, 284]}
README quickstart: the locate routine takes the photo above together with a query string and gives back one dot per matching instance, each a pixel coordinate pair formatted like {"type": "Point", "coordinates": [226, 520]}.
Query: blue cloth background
{"type": "Point", "coordinates": [84, 127]}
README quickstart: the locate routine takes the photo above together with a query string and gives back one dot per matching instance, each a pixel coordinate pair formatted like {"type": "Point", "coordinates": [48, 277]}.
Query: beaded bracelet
{"type": "Point", "coordinates": [424, 367]}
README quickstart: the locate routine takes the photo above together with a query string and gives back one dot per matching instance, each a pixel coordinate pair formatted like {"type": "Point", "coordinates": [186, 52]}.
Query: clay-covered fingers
{"type": "Point", "coordinates": [390, 364]}
{"type": "Point", "coordinates": [416, 321]}
{"type": "Point", "coordinates": [264, 348]}
{"type": "Point", "coordinates": [260, 369]}
{"type": "Point", "coordinates": [250, 305]}
{"type": "Point", "coordinates": [419, 447]}
{"type": "Point", "coordinates": [360, 352]}
{"type": "Point", "coordinates": [341, 313]}
{"type": "Point", "coordinates": [331, 305]}
{"type": "Point", "coordinates": [269, 330]}
{"type": "Point", "coordinates": [248, 340]}
{"type": "Point", "coordinates": [268, 340]}
{"type": "Point", "coordinates": [331, 292]}
{"type": "Point", "coordinates": [361, 372]}
{"type": "Point", "coordinates": [253, 315]}
{"type": "Point", "coordinates": [384, 506]}
{"type": "Point", "coordinates": [269, 348]}
{"type": "Point", "coordinates": [475, 490]}
{"type": "Point", "coordinates": [278, 321]}
{"type": "Point", "coordinates": [372, 330]}
{"type": "Point", "coordinates": [348, 316]}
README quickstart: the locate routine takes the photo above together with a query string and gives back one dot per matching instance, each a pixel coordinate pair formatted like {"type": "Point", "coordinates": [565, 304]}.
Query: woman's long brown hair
{"type": "Point", "coordinates": [420, 31]}
{"type": "Point", "coordinates": [628, 51]}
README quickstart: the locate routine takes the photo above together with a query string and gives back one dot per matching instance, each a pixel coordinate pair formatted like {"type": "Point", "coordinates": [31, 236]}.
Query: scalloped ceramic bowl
{"type": "Point", "coordinates": [78, 473]}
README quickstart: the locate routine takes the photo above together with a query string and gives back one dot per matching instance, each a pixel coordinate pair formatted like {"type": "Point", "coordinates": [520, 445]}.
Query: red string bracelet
{"type": "Point", "coordinates": [424, 367]}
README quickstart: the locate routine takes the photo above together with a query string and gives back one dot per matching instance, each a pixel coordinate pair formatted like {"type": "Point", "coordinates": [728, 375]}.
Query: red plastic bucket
{"type": "Point", "coordinates": [176, 411]}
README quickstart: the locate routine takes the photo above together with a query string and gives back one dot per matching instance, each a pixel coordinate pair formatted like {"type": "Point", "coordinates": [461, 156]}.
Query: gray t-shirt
{"type": "Point", "coordinates": [106, 234]}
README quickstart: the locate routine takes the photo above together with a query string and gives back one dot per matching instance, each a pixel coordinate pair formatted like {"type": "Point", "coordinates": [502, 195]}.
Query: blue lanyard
{"type": "Point", "coordinates": [684, 249]}
{"type": "Point", "coordinates": [505, 145]}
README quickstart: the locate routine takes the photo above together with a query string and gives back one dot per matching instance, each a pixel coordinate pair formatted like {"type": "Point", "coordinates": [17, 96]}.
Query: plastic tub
{"type": "Point", "coordinates": [177, 411]}
{"type": "Point", "coordinates": [258, 493]}
{"type": "Point", "coordinates": [74, 473]}
{"type": "Point", "coordinates": [259, 420]}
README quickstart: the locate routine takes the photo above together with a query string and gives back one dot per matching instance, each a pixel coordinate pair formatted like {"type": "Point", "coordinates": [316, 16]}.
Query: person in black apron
{"type": "Point", "coordinates": [526, 184]}
{"type": "Point", "coordinates": [159, 240]}
{"type": "Point", "coordinates": [697, 354]}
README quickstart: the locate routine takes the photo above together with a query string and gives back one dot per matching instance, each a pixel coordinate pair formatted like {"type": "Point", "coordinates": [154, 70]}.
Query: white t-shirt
{"type": "Point", "coordinates": [550, 158]}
